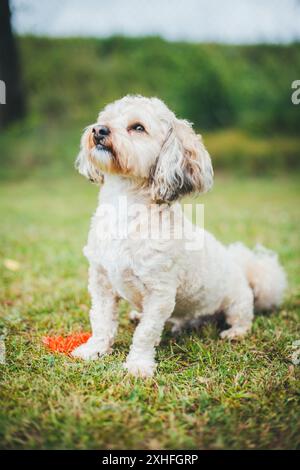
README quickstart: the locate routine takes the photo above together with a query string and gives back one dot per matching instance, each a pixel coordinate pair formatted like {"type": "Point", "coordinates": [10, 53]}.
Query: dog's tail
{"type": "Point", "coordinates": [265, 275]}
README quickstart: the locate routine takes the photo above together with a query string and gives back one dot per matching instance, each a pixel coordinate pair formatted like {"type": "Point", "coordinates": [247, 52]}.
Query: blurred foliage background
{"type": "Point", "coordinates": [239, 98]}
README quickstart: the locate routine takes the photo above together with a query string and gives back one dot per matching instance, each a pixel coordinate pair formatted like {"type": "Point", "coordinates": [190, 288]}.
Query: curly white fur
{"type": "Point", "coordinates": [151, 157]}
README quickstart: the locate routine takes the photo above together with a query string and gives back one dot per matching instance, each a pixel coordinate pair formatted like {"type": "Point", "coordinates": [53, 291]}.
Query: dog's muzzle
{"type": "Point", "coordinates": [99, 134]}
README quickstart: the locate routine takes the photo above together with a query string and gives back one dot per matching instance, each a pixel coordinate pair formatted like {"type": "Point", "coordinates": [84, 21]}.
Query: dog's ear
{"type": "Point", "coordinates": [183, 165]}
{"type": "Point", "coordinates": [84, 161]}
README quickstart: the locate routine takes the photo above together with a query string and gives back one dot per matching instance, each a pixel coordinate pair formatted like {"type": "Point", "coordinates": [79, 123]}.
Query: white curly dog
{"type": "Point", "coordinates": [142, 154]}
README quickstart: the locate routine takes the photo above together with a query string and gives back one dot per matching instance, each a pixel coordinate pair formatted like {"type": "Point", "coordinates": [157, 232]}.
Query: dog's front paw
{"type": "Point", "coordinates": [91, 350]}
{"type": "Point", "coordinates": [140, 368]}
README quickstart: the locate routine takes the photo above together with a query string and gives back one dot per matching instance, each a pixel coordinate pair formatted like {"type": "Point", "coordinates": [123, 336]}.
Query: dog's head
{"type": "Point", "coordinates": [141, 138]}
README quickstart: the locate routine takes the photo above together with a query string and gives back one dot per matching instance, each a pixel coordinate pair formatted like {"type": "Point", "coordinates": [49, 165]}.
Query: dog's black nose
{"type": "Point", "coordinates": [99, 133]}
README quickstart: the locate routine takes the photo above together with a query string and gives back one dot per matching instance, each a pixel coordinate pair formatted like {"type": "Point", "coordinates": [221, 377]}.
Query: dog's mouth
{"type": "Point", "coordinates": [105, 156]}
{"type": "Point", "coordinates": [103, 147]}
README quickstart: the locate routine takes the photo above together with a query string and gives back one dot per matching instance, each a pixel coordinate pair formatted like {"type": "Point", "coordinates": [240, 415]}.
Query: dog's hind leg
{"type": "Point", "coordinates": [239, 314]}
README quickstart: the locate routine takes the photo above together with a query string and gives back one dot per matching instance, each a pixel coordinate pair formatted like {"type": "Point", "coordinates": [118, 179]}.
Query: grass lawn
{"type": "Point", "coordinates": [206, 394]}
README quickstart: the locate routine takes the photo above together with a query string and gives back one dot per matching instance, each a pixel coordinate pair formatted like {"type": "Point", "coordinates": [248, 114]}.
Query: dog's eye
{"type": "Point", "coordinates": [137, 127]}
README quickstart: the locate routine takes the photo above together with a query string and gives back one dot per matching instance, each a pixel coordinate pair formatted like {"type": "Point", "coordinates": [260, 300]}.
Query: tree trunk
{"type": "Point", "coordinates": [10, 85]}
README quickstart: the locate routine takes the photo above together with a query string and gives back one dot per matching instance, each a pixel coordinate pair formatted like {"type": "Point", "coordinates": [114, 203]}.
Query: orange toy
{"type": "Point", "coordinates": [65, 344]}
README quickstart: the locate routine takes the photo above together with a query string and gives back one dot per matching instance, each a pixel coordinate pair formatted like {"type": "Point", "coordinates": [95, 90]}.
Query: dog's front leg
{"type": "Point", "coordinates": [157, 308]}
{"type": "Point", "coordinates": [103, 316]}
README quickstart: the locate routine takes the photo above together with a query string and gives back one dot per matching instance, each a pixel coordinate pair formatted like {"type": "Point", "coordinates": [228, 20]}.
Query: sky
{"type": "Point", "coordinates": [229, 21]}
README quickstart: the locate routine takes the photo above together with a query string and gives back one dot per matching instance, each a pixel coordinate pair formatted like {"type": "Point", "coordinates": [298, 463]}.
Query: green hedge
{"type": "Point", "coordinates": [212, 85]}
{"type": "Point", "coordinates": [239, 97]}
